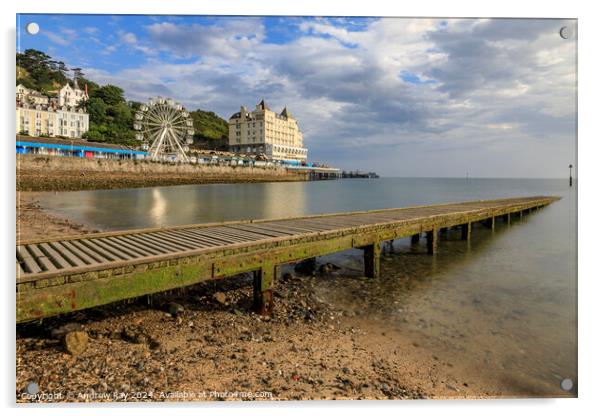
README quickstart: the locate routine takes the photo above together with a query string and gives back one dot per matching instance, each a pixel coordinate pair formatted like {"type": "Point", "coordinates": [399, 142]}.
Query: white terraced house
{"type": "Point", "coordinates": [37, 115]}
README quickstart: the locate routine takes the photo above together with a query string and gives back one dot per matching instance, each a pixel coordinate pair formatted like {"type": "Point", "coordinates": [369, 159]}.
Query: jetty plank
{"type": "Point", "coordinates": [30, 264]}
{"type": "Point", "coordinates": [158, 245]}
{"type": "Point", "coordinates": [41, 258]}
{"type": "Point", "coordinates": [138, 245]}
{"type": "Point", "coordinates": [64, 274]}
{"type": "Point", "coordinates": [79, 253]}
{"type": "Point", "coordinates": [66, 253]}
{"type": "Point", "coordinates": [90, 252]}
{"type": "Point", "coordinates": [202, 241]}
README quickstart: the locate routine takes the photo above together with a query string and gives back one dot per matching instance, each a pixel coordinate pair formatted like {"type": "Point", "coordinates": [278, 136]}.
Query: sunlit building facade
{"type": "Point", "coordinates": [264, 132]}
{"type": "Point", "coordinates": [38, 115]}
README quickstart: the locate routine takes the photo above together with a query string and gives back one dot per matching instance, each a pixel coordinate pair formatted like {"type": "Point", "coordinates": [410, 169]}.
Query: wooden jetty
{"type": "Point", "coordinates": [72, 273]}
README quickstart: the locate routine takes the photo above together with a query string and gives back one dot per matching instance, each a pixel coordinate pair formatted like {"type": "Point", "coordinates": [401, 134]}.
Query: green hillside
{"type": "Point", "coordinates": [208, 125]}
{"type": "Point", "coordinates": [39, 71]}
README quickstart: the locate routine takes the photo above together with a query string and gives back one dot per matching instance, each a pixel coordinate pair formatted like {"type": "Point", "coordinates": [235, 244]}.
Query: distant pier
{"type": "Point", "coordinates": [359, 174]}
{"type": "Point", "coordinates": [314, 173]}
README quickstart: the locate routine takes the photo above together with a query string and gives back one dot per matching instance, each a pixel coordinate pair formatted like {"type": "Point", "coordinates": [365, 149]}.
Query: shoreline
{"type": "Point", "coordinates": [55, 173]}
{"type": "Point", "coordinates": [309, 349]}
{"type": "Point", "coordinates": [33, 221]}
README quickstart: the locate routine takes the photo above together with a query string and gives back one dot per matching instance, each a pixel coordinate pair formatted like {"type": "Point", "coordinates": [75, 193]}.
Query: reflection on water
{"type": "Point", "coordinates": [505, 303]}
{"type": "Point", "coordinates": [163, 206]}
{"type": "Point", "coordinates": [158, 208]}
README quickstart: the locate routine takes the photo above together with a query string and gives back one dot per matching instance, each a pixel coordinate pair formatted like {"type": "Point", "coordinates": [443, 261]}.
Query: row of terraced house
{"type": "Point", "coordinates": [42, 116]}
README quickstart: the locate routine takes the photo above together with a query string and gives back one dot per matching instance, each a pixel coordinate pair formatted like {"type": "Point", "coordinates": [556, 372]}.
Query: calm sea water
{"type": "Point", "coordinates": [504, 305]}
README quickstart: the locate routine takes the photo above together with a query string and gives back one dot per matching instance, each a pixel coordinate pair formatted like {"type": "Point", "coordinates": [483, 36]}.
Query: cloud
{"type": "Point", "coordinates": [63, 36]}
{"type": "Point", "coordinates": [108, 50]}
{"type": "Point", "coordinates": [231, 38]}
{"type": "Point", "coordinates": [369, 91]}
{"type": "Point", "coordinates": [130, 41]}
{"type": "Point", "coordinates": [128, 37]}
{"type": "Point", "coordinates": [59, 40]}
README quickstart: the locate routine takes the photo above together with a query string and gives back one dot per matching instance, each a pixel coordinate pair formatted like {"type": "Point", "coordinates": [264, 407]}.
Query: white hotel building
{"type": "Point", "coordinates": [262, 131]}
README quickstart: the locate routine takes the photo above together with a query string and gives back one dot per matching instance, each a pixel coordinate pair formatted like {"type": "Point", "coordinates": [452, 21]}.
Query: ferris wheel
{"type": "Point", "coordinates": [165, 128]}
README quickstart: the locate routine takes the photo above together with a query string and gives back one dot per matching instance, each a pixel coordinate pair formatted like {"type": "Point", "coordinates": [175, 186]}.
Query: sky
{"type": "Point", "coordinates": [400, 96]}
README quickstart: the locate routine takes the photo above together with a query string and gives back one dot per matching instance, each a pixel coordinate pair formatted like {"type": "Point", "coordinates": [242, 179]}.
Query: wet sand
{"type": "Point", "coordinates": [33, 222]}
{"type": "Point", "coordinates": [313, 347]}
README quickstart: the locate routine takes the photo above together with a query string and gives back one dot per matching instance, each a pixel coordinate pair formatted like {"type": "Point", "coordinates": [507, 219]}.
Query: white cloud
{"type": "Point", "coordinates": [404, 89]}
{"type": "Point", "coordinates": [109, 50]}
{"type": "Point", "coordinates": [128, 38]}
{"type": "Point", "coordinates": [232, 39]}
{"type": "Point", "coordinates": [59, 40]}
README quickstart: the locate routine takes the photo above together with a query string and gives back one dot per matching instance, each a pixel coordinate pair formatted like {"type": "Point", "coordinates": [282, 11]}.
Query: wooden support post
{"type": "Point", "coordinates": [372, 260]}
{"type": "Point", "coordinates": [509, 218]}
{"type": "Point", "coordinates": [520, 214]}
{"type": "Point", "coordinates": [432, 240]}
{"type": "Point", "coordinates": [466, 231]}
{"type": "Point", "coordinates": [415, 239]}
{"type": "Point", "coordinates": [263, 280]}
{"type": "Point", "coordinates": [489, 223]}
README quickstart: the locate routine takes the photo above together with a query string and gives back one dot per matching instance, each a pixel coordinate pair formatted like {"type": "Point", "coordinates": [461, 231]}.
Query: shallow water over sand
{"type": "Point", "coordinates": [503, 305]}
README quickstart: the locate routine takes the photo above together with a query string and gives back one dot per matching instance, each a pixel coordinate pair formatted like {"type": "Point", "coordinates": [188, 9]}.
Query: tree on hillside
{"type": "Point", "coordinates": [110, 94]}
{"type": "Point", "coordinates": [97, 109]}
{"type": "Point", "coordinates": [77, 73]}
{"type": "Point", "coordinates": [92, 86]}
{"type": "Point", "coordinates": [111, 117]}
{"type": "Point", "coordinates": [208, 125]}
{"type": "Point", "coordinates": [39, 71]}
